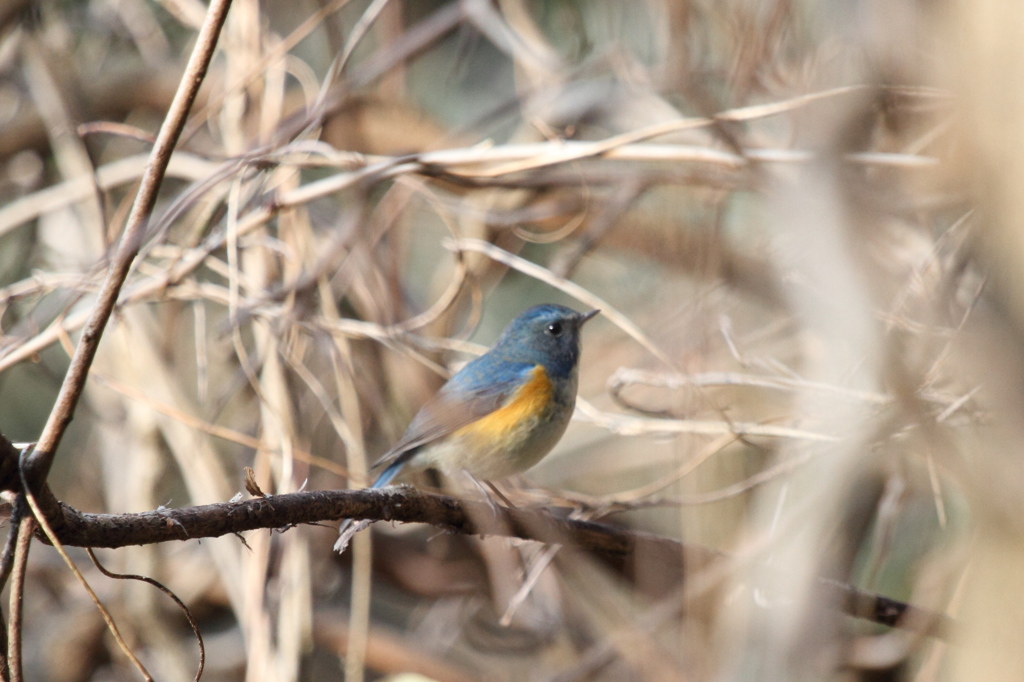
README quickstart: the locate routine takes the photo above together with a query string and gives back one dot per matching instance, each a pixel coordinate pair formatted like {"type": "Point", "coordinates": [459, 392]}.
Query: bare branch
{"type": "Point", "coordinates": [39, 463]}
{"type": "Point", "coordinates": [408, 505]}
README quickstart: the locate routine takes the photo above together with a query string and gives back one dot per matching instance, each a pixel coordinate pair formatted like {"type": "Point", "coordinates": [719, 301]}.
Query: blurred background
{"type": "Point", "coordinates": [798, 219]}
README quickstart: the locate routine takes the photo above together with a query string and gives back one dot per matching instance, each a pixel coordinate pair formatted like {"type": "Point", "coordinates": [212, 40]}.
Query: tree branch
{"type": "Point", "coordinates": [41, 459]}
{"type": "Point", "coordinates": [408, 505]}
{"type": "Point", "coordinates": [403, 504]}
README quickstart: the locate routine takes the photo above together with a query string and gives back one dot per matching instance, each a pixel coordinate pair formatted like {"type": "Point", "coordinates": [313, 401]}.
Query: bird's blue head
{"type": "Point", "coordinates": [546, 334]}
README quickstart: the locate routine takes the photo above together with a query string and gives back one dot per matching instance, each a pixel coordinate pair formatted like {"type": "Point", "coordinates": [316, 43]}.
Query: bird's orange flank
{"type": "Point", "coordinates": [532, 400]}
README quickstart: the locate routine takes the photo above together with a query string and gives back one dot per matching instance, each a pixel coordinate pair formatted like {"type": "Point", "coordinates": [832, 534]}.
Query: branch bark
{"type": "Point", "coordinates": [401, 504]}
{"type": "Point", "coordinates": [408, 505]}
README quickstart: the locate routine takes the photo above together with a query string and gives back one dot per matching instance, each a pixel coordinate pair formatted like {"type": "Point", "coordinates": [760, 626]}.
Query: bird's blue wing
{"type": "Point", "coordinates": [475, 391]}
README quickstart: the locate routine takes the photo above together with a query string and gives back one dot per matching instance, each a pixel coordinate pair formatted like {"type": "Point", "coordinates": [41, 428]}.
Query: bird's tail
{"type": "Point", "coordinates": [386, 476]}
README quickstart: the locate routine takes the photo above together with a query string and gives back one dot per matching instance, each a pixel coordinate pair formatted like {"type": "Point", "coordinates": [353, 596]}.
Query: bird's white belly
{"type": "Point", "coordinates": [492, 459]}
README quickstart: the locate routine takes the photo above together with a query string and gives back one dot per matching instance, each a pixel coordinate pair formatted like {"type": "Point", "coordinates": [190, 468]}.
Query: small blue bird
{"type": "Point", "coordinates": [501, 413]}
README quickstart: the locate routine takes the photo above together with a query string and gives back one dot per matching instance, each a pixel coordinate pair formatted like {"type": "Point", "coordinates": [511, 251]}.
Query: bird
{"type": "Point", "coordinates": [501, 413]}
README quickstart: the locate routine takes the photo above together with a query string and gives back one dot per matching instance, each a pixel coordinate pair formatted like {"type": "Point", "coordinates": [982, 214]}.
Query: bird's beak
{"type": "Point", "coordinates": [586, 316]}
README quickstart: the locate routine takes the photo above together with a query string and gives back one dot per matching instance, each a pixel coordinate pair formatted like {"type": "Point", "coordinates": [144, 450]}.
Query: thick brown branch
{"type": "Point", "coordinates": [408, 505]}
{"type": "Point", "coordinates": [402, 504]}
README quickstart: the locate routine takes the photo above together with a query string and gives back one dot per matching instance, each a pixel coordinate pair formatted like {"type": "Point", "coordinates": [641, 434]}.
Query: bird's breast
{"type": "Point", "coordinates": [515, 436]}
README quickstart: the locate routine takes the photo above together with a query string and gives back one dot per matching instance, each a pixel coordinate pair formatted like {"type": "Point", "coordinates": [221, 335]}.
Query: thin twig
{"type": "Point", "coordinates": [19, 211]}
{"type": "Point", "coordinates": [107, 618]}
{"type": "Point", "coordinates": [160, 586]}
{"type": "Point", "coordinates": [628, 425]}
{"type": "Point", "coordinates": [16, 626]}
{"type": "Point", "coordinates": [624, 377]}
{"type": "Point", "coordinates": [42, 457]}
{"type": "Point", "coordinates": [7, 560]}
{"type": "Point", "coordinates": [575, 290]}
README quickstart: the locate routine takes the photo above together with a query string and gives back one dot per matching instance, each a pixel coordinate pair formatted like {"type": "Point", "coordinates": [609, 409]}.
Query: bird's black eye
{"type": "Point", "coordinates": [555, 329]}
